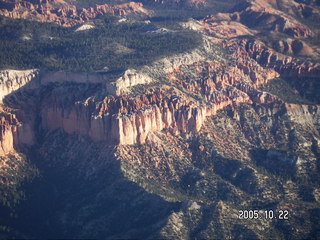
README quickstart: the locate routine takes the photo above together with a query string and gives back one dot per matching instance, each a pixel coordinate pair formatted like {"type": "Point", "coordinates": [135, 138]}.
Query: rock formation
{"type": "Point", "coordinates": [264, 55]}
{"type": "Point", "coordinates": [14, 131]}
{"type": "Point", "coordinates": [64, 14]}
{"type": "Point", "coordinates": [129, 79]}
{"type": "Point", "coordinates": [287, 66]}
{"type": "Point", "coordinates": [11, 80]}
{"type": "Point", "coordinates": [8, 132]}
{"type": "Point", "coordinates": [176, 148]}
{"type": "Point", "coordinates": [182, 3]}
{"type": "Point", "coordinates": [179, 92]}
{"type": "Point", "coordinates": [128, 120]}
{"type": "Point", "coordinates": [267, 15]}
{"type": "Point", "coordinates": [197, 85]}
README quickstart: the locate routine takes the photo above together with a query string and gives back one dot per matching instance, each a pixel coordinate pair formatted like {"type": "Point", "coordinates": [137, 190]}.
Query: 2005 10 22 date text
{"type": "Point", "coordinates": [264, 214]}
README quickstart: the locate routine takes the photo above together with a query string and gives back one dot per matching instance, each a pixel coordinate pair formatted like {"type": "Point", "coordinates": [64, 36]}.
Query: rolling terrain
{"type": "Point", "coordinates": [159, 119]}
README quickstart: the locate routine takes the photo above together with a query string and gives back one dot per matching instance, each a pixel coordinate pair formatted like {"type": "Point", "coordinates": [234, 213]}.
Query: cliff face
{"type": "Point", "coordinates": [176, 93]}
{"type": "Point", "coordinates": [176, 148]}
{"type": "Point", "coordinates": [8, 132]}
{"type": "Point", "coordinates": [265, 56]}
{"type": "Point", "coordinates": [12, 80]}
{"type": "Point", "coordinates": [123, 120]}
{"type": "Point", "coordinates": [287, 66]}
{"type": "Point", "coordinates": [15, 128]}
{"type": "Point", "coordinates": [197, 85]}
{"type": "Point", "coordinates": [64, 14]}
{"type": "Point", "coordinates": [128, 119]}
{"type": "Point", "coordinates": [13, 132]}
{"type": "Point", "coordinates": [130, 78]}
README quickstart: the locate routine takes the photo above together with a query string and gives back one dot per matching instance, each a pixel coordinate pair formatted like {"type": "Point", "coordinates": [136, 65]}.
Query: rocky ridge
{"type": "Point", "coordinates": [64, 14]}
{"type": "Point", "coordinates": [188, 3]}
{"type": "Point", "coordinates": [172, 150]}
{"type": "Point", "coordinates": [12, 80]}
{"type": "Point", "coordinates": [272, 16]}
{"type": "Point", "coordinates": [129, 120]}
{"type": "Point", "coordinates": [8, 134]}
{"type": "Point", "coordinates": [197, 85]}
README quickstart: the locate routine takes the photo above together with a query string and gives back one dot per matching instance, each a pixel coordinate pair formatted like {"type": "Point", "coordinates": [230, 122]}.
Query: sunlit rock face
{"type": "Point", "coordinates": [12, 80]}
{"type": "Point", "coordinates": [62, 13]}
{"type": "Point", "coordinates": [126, 118]}
{"type": "Point", "coordinates": [175, 148]}
{"type": "Point", "coordinates": [272, 16]}
{"type": "Point", "coordinates": [8, 127]}
{"type": "Point", "coordinates": [197, 85]}
{"type": "Point", "coordinates": [177, 92]}
{"type": "Point", "coordinates": [13, 133]}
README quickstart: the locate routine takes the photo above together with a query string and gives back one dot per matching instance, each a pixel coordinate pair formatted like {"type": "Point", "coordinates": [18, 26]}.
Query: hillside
{"type": "Point", "coordinates": [160, 120]}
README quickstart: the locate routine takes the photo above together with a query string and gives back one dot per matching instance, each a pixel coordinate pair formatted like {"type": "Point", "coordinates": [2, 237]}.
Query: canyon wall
{"type": "Point", "coordinates": [129, 121]}
{"type": "Point", "coordinates": [176, 93]}
{"type": "Point", "coordinates": [8, 131]}
{"type": "Point", "coordinates": [124, 119]}
{"type": "Point", "coordinates": [193, 90]}
{"type": "Point", "coordinates": [196, 86]}
{"type": "Point", "coordinates": [13, 132]}
{"type": "Point", "coordinates": [64, 14]}
{"type": "Point", "coordinates": [12, 80]}
{"type": "Point", "coordinates": [287, 66]}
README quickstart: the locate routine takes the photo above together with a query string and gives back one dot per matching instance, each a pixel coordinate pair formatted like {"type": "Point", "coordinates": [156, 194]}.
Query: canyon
{"type": "Point", "coordinates": [119, 118]}
{"type": "Point", "coordinates": [175, 147]}
{"type": "Point", "coordinates": [65, 14]}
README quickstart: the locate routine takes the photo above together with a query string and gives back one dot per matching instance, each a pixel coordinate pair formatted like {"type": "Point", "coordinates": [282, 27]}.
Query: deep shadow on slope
{"type": "Point", "coordinates": [82, 193]}
{"type": "Point", "coordinates": [295, 90]}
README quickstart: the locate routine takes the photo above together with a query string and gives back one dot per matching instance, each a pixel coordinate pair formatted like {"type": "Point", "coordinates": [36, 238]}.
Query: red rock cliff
{"type": "Point", "coordinates": [64, 14]}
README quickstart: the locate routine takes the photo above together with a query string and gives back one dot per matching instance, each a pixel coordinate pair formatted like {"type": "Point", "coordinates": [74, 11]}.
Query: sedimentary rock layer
{"type": "Point", "coordinates": [175, 93]}
{"type": "Point", "coordinates": [12, 80]}
{"type": "Point", "coordinates": [13, 132]}
{"type": "Point", "coordinates": [64, 14]}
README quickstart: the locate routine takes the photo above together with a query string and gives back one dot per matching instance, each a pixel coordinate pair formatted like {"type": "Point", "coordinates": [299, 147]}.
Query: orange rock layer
{"type": "Point", "coordinates": [66, 15]}
{"type": "Point", "coordinates": [13, 132]}
{"type": "Point", "coordinates": [129, 120]}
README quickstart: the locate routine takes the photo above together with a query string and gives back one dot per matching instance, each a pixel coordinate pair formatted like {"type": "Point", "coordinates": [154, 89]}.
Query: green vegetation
{"type": "Point", "coordinates": [286, 91]}
{"type": "Point", "coordinates": [15, 173]}
{"type": "Point", "coordinates": [57, 48]}
{"type": "Point", "coordinates": [276, 162]}
{"type": "Point", "coordinates": [183, 11]}
{"type": "Point", "coordinates": [307, 87]}
{"type": "Point", "coordinates": [11, 181]}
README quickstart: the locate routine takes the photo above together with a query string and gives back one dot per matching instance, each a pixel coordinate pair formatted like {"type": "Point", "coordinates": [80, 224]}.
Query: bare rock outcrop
{"type": "Point", "coordinates": [12, 80]}
{"type": "Point", "coordinates": [130, 78]}
{"type": "Point", "coordinates": [13, 132]}
{"type": "Point", "coordinates": [293, 47]}
{"type": "Point", "coordinates": [243, 46]}
{"type": "Point", "coordinates": [8, 130]}
{"type": "Point", "coordinates": [185, 3]}
{"type": "Point", "coordinates": [124, 119]}
{"type": "Point", "coordinates": [176, 93]}
{"type": "Point", "coordinates": [270, 16]}
{"type": "Point", "coordinates": [286, 65]}
{"type": "Point", "coordinates": [64, 14]}
{"type": "Point", "coordinates": [121, 120]}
